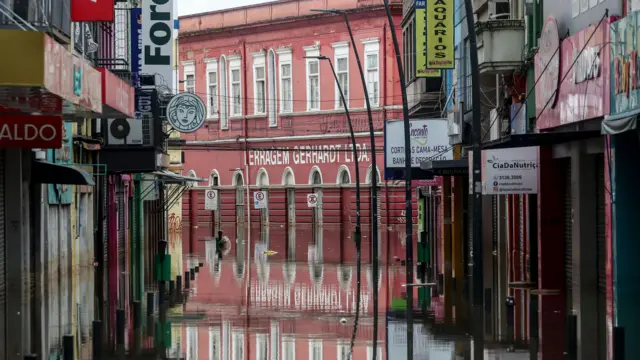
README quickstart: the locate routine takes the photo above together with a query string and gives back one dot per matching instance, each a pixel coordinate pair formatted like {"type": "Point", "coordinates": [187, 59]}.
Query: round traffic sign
{"type": "Point", "coordinates": [211, 194]}
{"type": "Point", "coordinates": [260, 196]}
{"type": "Point", "coordinates": [313, 199]}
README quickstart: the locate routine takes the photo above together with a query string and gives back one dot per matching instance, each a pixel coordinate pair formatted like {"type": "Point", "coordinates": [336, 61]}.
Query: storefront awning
{"type": "Point", "coordinates": [44, 172]}
{"type": "Point", "coordinates": [173, 178]}
{"type": "Point", "coordinates": [539, 139]}
{"type": "Point", "coordinates": [446, 167]}
{"type": "Point", "coordinates": [619, 123]}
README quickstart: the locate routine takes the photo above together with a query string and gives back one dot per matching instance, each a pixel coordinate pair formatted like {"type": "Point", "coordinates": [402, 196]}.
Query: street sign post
{"type": "Point", "coordinates": [312, 200]}
{"type": "Point", "coordinates": [260, 200]}
{"type": "Point", "coordinates": [211, 200]}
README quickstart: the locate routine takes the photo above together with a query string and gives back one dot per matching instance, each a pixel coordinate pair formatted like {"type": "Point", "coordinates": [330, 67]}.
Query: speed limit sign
{"type": "Point", "coordinates": [260, 200]}
{"type": "Point", "coordinates": [211, 200]}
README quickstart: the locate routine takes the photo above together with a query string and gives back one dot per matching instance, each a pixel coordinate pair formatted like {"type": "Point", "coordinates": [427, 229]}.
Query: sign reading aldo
{"type": "Point", "coordinates": [211, 200]}
{"type": "Point", "coordinates": [30, 131]}
{"type": "Point", "coordinates": [157, 44]}
{"type": "Point", "coordinates": [510, 171]}
{"type": "Point", "coordinates": [260, 200]}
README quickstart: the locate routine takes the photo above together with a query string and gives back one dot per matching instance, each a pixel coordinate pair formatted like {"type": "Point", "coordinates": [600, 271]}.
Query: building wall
{"type": "Point", "coordinates": [572, 21]}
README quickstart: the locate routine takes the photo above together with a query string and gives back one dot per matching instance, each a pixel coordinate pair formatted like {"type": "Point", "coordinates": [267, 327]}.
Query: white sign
{"type": "Point", "coordinates": [510, 171]}
{"type": "Point", "coordinates": [157, 41]}
{"type": "Point", "coordinates": [211, 200]}
{"type": "Point", "coordinates": [312, 200]}
{"type": "Point", "coordinates": [260, 200]}
{"type": "Point", "coordinates": [186, 112]}
{"type": "Point", "coordinates": [309, 154]}
{"type": "Point", "coordinates": [429, 142]}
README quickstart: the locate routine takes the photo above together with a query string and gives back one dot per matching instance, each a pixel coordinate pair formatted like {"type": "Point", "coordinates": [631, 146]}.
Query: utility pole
{"type": "Point", "coordinates": [407, 170]}
{"type": "Point", "coordinates": [477, 287]}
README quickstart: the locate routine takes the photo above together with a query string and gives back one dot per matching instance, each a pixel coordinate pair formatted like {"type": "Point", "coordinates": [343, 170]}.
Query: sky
{"type": "Point", "coordinates": [188, 7]}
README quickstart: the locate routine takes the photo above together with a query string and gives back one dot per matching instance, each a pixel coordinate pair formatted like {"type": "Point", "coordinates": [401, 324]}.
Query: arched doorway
{"type": "Point", "coordinates": [315, 248]}
{"type": "Point", "coordinates": [238, 183]}
{"type": "Point", "coordinates": [262, 182]}
{"type": "Point", "coordinates": [289, 181]}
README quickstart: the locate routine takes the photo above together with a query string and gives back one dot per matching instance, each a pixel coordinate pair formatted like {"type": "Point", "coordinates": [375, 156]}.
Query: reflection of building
{"type": "Point", "coordinates": [263, 95]}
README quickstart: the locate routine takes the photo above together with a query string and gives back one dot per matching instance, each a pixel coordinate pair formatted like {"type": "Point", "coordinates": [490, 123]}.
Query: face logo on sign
{"type": "Point", "coordinates": [185, 112]}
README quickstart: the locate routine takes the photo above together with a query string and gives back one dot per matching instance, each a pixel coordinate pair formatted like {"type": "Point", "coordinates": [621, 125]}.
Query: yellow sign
{"type": "Point", "coordinates": [440, 29]}
{"type": "Point", "coordinates": [269, 252]}
{"type": "Point", "coordinates": [421, 42]}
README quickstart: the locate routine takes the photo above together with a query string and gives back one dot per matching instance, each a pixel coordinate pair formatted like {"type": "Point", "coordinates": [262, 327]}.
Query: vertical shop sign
{"type": "Point", "coordinates": [157, 44]}
{"type": "Point", "coordinates": [136, 55]}
{"type": "Point", "coordinates": [440, 31]}
{"type": "Point", "coordinates": [420, 28]}
{"type": "Point", "coordinates": [61, 194]}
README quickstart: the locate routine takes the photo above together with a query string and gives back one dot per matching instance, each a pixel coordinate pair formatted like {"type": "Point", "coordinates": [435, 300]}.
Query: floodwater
{"type": "Point", "coordinates": [292, 293]}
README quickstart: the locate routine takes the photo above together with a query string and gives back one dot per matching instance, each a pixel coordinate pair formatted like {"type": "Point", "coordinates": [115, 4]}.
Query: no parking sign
{"type": "Point", "coordinates": [211, 200]}
{"type": "Point", "coordinates": [312, 200]}
{"type": "Point", "coordinates": [260, 200]}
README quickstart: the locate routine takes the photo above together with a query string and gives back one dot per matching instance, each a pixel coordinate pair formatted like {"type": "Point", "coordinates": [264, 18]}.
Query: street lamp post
{"type": "Point", "coordinates": [374, 167]}
{"type": "Point", "coordinates": [357, 233]}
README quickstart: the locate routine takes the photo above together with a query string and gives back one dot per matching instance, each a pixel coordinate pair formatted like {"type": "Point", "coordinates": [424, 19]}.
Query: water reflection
{"type": "Point", "coordinates": [290, 293]}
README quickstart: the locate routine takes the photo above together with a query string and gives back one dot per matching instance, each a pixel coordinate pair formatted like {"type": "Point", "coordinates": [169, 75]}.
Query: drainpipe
{"type": "Point", "coordinates": [383, 101]}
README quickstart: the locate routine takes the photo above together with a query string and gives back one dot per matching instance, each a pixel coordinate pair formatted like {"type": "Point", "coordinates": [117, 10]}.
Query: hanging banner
{"type": "Point", "coordinates": [510, 171]}
{"type": "Point", "coordinates": [421, 41]}
{"type": "Point", "coordinates": [440, 31]}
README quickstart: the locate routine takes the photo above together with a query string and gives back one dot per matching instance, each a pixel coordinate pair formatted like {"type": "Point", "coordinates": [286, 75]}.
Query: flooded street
{"type": "Point", "coordinates": [292, 294]}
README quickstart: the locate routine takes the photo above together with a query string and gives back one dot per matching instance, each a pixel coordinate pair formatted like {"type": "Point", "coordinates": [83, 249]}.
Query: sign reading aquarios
{"type": "Point", "coordinates": [421, 41]}
{"type": "Point", "coordinates": [440, 31]}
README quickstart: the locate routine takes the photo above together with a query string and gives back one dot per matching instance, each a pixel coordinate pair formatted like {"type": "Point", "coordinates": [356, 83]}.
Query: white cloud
{"type": "Point", "coordinates": [188, 7]}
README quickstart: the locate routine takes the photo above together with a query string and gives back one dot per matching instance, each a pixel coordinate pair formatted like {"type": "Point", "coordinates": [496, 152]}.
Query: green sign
{"type": "Point", "coordinates": [62, 194]}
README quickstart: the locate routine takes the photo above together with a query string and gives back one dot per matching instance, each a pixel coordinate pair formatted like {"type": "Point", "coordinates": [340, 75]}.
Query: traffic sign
{"type": "Point", "coordinates": [211, 200]}
{"type": "Point", "coordinates": [260, 200]}
{"type": "Point", "coordinates": [312, 200]}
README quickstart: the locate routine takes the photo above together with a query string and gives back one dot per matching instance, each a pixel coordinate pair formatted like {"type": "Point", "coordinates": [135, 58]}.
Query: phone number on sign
{"type": "Point", "coordinates": [510, 177]}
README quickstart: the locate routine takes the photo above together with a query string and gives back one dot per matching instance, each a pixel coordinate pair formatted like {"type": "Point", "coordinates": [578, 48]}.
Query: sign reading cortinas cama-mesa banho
{"type": "Point", "coordinates": [22, 131]}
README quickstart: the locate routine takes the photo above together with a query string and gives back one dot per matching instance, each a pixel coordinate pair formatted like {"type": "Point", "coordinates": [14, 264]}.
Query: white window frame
{"type": "Point", "coordinates": [313, 50]}
{"type": "Point", "coordinates": [315, 343]}
{"type": "Point", "coordinates": [372, 47]}
{"type": "Point", "coordinates": [212, 67]}
{"type": "Point", "coordinates": [370, 352]}
{"type": "Point", "coordinates": [342, 346]}
{"type": "Point", "coordinates": [188, 69]}
{"type": "Point", "coordinates": [234, 63]}
{"type": "Point", "coordinates": [288, 343]}
{"type": "Point", "coordinates": [215, 338]}
{"type": "Point", "coordinates": [259, 61]}
{"type": "Point", "coordinates": [237, 337]}
{"type": "Point", "coordinates": [261, 340]}
{"type": "Point", "coordinates": [284, 58]}
{"type": "Point", "coordinates": [341, 51]}
{"type": "Point", "coordinates": [192, 343]}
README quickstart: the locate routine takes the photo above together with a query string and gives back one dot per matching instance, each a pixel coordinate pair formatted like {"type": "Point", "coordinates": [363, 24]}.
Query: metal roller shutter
{"type": "Point", "coordinates": [120, 206]}
{"type": "Point", "coordinates": [2, 262]}
{"type": "Point", "coordinates": [601, 240]}
{"type": "Point", "coordinates": [568, 236]}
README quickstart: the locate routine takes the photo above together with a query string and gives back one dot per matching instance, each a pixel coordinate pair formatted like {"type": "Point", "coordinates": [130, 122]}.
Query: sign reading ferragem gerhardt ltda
{"type": "Point", "coordinates": [510, 171]}
{"type": "Point", "coordinates": [440, 31]}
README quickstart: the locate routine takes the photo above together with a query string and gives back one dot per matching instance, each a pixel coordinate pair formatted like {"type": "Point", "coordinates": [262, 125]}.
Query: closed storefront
{"type": "Point", "coordinates": [568, 235]}
{"type": "Point", "coordinates": [2, 259]}
{"type": "Point", "coordinates": [601, 241]}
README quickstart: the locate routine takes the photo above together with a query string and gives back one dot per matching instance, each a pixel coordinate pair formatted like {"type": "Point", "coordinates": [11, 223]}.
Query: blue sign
{"type": "Point", "coordinates": [77, 80]}
{"type": "Point", "coordinates": [62, 194]}
{"type": "Point", "coordinates": [136, 54]}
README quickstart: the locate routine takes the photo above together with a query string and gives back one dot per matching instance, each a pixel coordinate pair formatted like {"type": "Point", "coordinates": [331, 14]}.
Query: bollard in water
{"type": "Point", "coordinates": [96, 331]}
{"type": "Point", "coordinates": [67, 347]}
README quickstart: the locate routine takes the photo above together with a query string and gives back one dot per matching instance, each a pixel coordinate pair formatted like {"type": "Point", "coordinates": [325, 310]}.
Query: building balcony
{"type": "Point", "coordinates": [500, 45]}
{"type": "Point", "coordinates": [54, 19]}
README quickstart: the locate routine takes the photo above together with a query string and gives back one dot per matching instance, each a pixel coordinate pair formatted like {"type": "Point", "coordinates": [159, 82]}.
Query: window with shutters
{"type": "Point", "coordinates": [238, 346]}
{"type": "Point", "coordinates": [192, 343]}
{"type": "Point", "coordinates": [189, 76]}
{"type": "Point", "coordinates": [315, 349]}
{"type": "Point", "coordinates": [341, 65]}
{"type": "Point", "coordinates": [235, 85]}
{"type": "Point", "coordinates": [289, 349]}
{"type": "Point", "coordinates": [344, 352]}
{"type": "Point", "coordinates": [212, 88]}
{"type": "Point", "coordinates": [262, 347]}
{"type": "Point", "coordinates": [214, 344]}
{"type": "Point", "coordinates": [286, 80]}
{"type": "Point", "coordinates": [259, 83]}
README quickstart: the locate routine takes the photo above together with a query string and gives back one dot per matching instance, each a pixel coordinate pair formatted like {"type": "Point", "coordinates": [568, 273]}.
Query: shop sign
{"type": "Point", "coordinates": [92, 10]}
{"type": "Point", "coordinates": [420, 36]}
{"type": "Point", "coordinates": [440, 31]}
{"type": "Point", "coordinates": [429, 142]}
{"type": "Point", "coordinates": [625, 64]}
{"type": "Point", "coordinates": [30, 131]}
{"type": "Point", "coordinates": [62, 193]}
{"type": "Point", "coordinates": [186, 112]}
{"type": "Point", "coordinates": [309, 155]}
{"type": "Point", "coordinates": [116, 93]}
{"type": "Point", "coordinates": [510, 171]}
{"type": "Point", "coordinates": [584, 93]}
{"type": "Point", "coordinates": [157, 44]}
{"type": "Point", "coordinates": [136, 55]}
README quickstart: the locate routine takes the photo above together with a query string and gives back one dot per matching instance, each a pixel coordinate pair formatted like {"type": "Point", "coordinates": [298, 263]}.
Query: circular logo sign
{"type": "Point", "coordinates": [260, 196]}
{"type": "Point", "coordinates": [185, 112]}
{"type": "Point", "coordinates": [211, 194]}
{"type": "Point", "coordinates": [547, 66]}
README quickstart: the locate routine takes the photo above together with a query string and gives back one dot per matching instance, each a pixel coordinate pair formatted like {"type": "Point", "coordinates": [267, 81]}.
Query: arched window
{"type": "Point", "coordinates": [288, 178]}
{"type": "Point", "coordinates": [315, 176]}
{"type": "Point", "coordinates": [262, 180]}
{"type": "Point", "coordinates": [344, 175]}
{"type": "Point", "coordinates": [224, 102]}
{"type": "Point", "coordinates": [238, 179]}
{"type": "Point", "coordinates": [369, 172]}
{"type": "Point", "coordinates": [271, 83]}
{"type": "Point", "coordinates": [214, 178]}
{"type": "Point", "coordinates": [192, 174]}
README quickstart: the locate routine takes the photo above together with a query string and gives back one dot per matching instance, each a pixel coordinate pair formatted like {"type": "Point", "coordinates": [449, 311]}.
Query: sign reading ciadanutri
{"type": "Point", "coordinates": [421, 41]}
{"type": "Point", "coordinates": [440, 31]}
{"type": "Point", "coordinates": [510, 171]}
{"type": "Point", "coordinates": [157, 40]}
